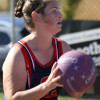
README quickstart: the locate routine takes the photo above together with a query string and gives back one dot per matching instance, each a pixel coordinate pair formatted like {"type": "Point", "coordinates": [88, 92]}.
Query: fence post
{"type": "Point", "coordinates": [12, 2]}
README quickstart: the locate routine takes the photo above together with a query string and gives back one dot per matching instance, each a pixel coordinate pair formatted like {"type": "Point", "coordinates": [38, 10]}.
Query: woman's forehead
{"type": "Point", "coordinates": [53, 4]}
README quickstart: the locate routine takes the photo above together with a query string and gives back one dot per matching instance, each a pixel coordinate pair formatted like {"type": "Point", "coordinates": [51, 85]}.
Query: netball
{"type": "Point", "coordinates": [78, 71]}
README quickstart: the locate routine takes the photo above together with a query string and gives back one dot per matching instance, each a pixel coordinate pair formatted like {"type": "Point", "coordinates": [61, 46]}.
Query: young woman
{"type": "Point", "coordinates": [29, 71]}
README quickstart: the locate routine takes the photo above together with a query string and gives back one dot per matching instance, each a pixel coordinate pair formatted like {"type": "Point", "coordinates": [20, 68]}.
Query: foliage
{"type": "Point", "coordinates": [68, 8]}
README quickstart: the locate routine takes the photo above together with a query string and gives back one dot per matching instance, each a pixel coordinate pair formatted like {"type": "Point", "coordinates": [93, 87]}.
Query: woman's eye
{"type": "Point", "coordinates": [55, 11]}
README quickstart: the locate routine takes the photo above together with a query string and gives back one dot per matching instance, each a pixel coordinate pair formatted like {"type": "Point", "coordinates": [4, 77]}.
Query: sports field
{"type": "Point", "coordinates": [1, 95]}
{"type": "Point", "coordinates": [64, 98]}
{"type": "Point", "coordinates": [71, 98]}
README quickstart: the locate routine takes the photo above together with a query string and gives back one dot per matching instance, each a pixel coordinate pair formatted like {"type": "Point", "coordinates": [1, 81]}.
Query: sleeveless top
{"type": "Point", "coordinates": [36, 72]}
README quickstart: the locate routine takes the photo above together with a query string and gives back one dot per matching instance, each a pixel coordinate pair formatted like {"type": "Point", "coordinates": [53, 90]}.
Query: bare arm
{"type": "Point", "coordinates": [65, 47]}
{"type": "Point", "coordinates": [15, 77]}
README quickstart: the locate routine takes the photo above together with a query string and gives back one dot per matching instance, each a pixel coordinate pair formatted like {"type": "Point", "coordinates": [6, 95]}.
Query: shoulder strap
{"type": "Point", "coordinates": [25, 54]}
{"type": "Point", "coordinates": [59, 47]}
{"type": "Point", "coordinates": [27, 62]}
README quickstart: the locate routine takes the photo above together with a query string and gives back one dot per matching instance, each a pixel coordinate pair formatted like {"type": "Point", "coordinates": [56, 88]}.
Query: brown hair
{"type": "Point", "coordinates": [26, 7]}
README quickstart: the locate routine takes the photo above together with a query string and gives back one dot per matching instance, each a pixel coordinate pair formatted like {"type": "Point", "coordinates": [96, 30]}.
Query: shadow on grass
{"type": "Point", "coordinates": [91, 96]}
{"type": "Point", "coordinates": [85, 96]}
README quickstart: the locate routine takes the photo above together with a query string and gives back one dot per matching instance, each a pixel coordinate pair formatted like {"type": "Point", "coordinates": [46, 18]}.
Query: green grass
{"type": "Point", "coordinates": [71, 98]}
{"type": "Point", "coordinates": [60, 98]}
{"type": "Point", "coordinates": [1, 95]}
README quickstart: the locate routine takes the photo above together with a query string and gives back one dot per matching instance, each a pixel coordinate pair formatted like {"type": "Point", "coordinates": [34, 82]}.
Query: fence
{"type": "Point", "coordinates": [88, 10]}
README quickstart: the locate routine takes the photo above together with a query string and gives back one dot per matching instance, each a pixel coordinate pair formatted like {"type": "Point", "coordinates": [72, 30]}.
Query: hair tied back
{"type": "Point", "coordinates": [18, 8]}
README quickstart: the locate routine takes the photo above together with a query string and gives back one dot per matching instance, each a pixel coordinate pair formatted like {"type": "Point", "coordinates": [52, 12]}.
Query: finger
{"type": "Point", "coordinates": [60, 85]}
{"type": "Point", "coordinates": [54, 66]}
{"type": "Point", "coordinates": [56, 80]}
{"type": "Point", "coordinates": [54, 73]}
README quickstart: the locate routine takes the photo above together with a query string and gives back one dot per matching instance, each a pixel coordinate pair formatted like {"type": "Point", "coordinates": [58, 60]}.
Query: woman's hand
{"type": "Point", "coordinates": [53, 80]}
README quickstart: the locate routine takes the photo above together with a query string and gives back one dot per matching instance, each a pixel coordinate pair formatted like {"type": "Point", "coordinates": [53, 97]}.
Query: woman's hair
{"type": "Point", "coordinates": [24, 8]}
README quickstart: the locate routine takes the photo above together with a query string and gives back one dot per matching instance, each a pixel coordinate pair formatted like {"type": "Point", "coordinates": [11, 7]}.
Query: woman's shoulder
{"type": "Point", "coordinates": [14, 56]}
{"type": "Point", "coordinates": [15, 50]}
{"type": "Point", "coordinates": [65, 46]}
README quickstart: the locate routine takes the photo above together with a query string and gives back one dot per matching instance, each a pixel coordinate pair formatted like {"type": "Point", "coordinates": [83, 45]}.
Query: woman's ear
{"type": "Point", "coordinates": [36, 16]}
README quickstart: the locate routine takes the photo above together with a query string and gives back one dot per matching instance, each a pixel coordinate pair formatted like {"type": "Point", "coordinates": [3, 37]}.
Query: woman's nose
{"type": "Point", "coordinates": [60, 15]}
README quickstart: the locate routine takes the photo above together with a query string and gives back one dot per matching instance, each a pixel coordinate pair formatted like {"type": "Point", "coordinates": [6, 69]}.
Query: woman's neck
{"type": "Point", "coordinates": [40, 41]}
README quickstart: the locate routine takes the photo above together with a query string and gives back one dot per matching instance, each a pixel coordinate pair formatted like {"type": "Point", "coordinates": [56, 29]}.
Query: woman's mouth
{"type": "Point", "coordinates": [59, 23]}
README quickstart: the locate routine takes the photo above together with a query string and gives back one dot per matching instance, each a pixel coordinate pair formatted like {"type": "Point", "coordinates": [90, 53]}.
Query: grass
{"type": "Point", "coordinates": [89, 95]}
{"type": "Point", "coordinates": [71, 98]}
{"type": "Point", "coordinates": [1, 95]}
{"type": "Point", "coordinates": [61, 98]}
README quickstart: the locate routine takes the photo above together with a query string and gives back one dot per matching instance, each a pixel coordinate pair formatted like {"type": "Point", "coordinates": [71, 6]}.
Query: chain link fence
{"type": "Point", "coordinates": [88, 10]}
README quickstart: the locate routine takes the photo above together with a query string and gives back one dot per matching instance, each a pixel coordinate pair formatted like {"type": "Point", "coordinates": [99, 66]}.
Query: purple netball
{"type": "Point", "coordinates": [78, 71]}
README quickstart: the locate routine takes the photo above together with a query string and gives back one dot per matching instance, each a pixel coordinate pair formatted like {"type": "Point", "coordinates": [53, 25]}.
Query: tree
{"type": "Point", "coordinates": [68, 8]}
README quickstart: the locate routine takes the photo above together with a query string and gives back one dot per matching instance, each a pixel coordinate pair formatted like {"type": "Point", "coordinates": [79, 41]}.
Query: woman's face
{"type": "Point", "coordinates": [52, 18]}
